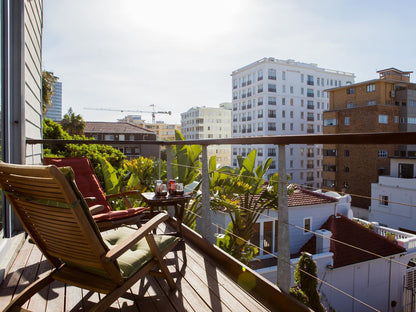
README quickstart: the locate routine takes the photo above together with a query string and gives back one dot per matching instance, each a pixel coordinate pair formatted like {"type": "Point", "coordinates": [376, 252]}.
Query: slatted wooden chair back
{"type": "Point", "coordinates": [56, 216]}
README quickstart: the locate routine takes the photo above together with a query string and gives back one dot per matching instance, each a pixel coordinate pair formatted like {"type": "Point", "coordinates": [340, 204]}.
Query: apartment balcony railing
{"type": "Point", "coordinates": [404, 239]}
{"type": "Point", "coordinates": [206, 228]}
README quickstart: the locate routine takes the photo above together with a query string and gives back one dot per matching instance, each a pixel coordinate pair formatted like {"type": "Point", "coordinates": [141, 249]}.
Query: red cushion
{"type": "Point", "coordinates": [85, 178]}
{"type": "Point", "coordinates": [119, 214]}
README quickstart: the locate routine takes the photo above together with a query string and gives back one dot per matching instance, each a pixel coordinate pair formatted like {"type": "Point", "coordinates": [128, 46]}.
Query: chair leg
{"type": "Point", "coordinates": [160, 262]}
{"type": "Point", "coordinates": [29, 291]}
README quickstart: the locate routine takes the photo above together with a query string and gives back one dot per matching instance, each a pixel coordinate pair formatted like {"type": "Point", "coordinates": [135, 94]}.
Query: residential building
{"type": "Point", "coordinates": [55, 112]}
{"type": "Point", "coordinates": [386, 104]}
{"type": "Point", "coordinates": [283, 97]}
{"type": "Point", "coordinates": [393, 198]}
{"type": "Point", "coordinates": [308, 210]}
{"type": "Point", "coordinates": [121, 134]}
{"type": "Point", "coordinates": [164, 131]}
{"type": "Point", "coordinates": [209, 123]}
{"type": "Point", "coordinates": [375, 270]}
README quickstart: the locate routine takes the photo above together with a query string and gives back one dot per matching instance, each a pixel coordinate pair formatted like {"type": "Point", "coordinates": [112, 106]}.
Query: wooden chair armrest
{"type": "Point", "coordinates": [96, 209]}
{"type": "Point", "coordinates": [144, 230]}
{"type": "Point", "coordinates": [90, 199]}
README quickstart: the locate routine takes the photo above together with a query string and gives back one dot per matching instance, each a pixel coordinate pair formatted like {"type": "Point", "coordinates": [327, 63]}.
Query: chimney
{"type": "Point", "coordinates": [323, 242]}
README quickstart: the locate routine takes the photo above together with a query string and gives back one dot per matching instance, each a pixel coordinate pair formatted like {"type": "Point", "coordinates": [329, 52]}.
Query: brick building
{"type": "Point", "coordinates": [118, 133]}
{"type": "Point", "coordinates": [386, 104]}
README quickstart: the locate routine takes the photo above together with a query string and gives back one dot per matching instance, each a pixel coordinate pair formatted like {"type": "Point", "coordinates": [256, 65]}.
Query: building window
{"type": "Point", "coordinates": [271, 152]}
{"type": "Point", "coordinates": [309, 93]}
{"type": "Point", "coordinates": [271, 74]}
{"type": "Point", "coordinates": [350, 105]}
{"type": "Point", "coordinates": [272, 113]}
{"type": "Point", "coordinates": [283, 101]}
{"type": "Point", "coordinates": [272, 100]}
{"type": "Point", "coordinates": [291, 89]}
{"type": "Point", "coordinates": [346, 153]}
{"type": "Point", "coordinates": [307, 225]}
{"type": "Point", "coordinates": [350, 90]}
{"type": "Point", "coordinates": [260, 88]}
{"type": "Point", "coordinates": [283, 114]}
{"type": "Point", "coordinates": [406, 171]}
{"type": "Point", "coordinates": [260, 127]}
{"type": "Point", "coordinates": [396, 119]}
{"type": "Point", "coordinates": [411, 120]}
{"type": "Point", "coordinates": [283, 126]}
{"type": "Point", "coordinates": [330, 122]}
{"type": "Point", "coordinates": [260, 114]}
{"type": "Point", "coordinates": [302, 78]}
{"type": "Point", "coordinates": [371, 87]}
{"type": "Point", "coordinates": [109, 137]}
{"type": "Point", "coordinates": [382, 154]}
{"type": "Point", "coordinates": [283, 75]}
{"type": "Point", "coordinates": [271, 126]}
{"type": "Point", "coordinates": [271, 87]}
{"type": "Point", "coordinates": [309, 80]}
{"type": "Point", "coordinates": [383, 119]}
{"type": "Point", "coordinates": [384, 200]}
{"type": "Point", "coordinates": [347, 121]}
{"type": "Point", "coordinates": [260, 75]}
{"type": "Point", "coordinates": [260, 102]}
{"type": "Point", "coordinates": [370, 103]}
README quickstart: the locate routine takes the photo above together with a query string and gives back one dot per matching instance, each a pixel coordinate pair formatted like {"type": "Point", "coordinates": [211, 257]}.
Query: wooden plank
{"type": "Point", "coordinates": [38, 301]}
{"type": "Point", "coordinates": [187, 297]}
{"type": "Point", "coordinates": [142, 297]}
{"type": "Point", "coordinates": [128, 304]}
{"type": "Point", "coordinates": [240, 297]}
{"type": "Point", "coordinates": [56, 297]}
{"type": "Point", "coordinates": [9, 287]}
{"type": "Point", "coordinates": [73, 299]}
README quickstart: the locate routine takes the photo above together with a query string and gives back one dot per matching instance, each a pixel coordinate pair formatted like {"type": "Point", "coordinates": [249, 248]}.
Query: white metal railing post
{"type": "Point", "coordinates": [283, 252]}
{"type": "Point", "coordinates": [169, 174]}
{"type": "Point", "coordinates": [206, 225]}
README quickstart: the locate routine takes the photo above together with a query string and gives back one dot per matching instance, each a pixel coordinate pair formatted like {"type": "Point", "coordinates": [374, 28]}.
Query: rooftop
{"type": "Point", "coordinates": [113, 127]}
{"type": "Point", "coordinates": [352, 233]}
{"type": "Point", "coordinates": [303, 197]}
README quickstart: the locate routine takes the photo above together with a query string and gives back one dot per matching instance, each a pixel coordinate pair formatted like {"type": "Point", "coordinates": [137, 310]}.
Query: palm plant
{"type": "Point", "coordinates": [243, 194]}
{"type": "Point", "coordinates": [73, 124]}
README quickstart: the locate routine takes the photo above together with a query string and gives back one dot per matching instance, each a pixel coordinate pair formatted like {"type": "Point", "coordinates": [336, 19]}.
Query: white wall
{"type": "Point", "coordinates": [33, 79]}
{"type": "Point", "coordinates": [394, 214]}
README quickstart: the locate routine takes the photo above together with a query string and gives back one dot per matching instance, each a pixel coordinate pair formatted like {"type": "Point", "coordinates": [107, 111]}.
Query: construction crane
{"type": "Point", "coordinates": [153, 112]}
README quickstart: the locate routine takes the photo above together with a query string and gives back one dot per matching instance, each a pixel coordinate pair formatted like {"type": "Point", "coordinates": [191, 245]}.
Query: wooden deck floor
{"type": "Point", "coordinates": [200, 287]}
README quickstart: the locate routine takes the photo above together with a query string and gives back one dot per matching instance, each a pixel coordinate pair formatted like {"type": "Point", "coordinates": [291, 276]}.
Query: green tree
{"type": "Point", "coordinates": [306, 283]}
{"type": "Point", "coordinates": [73, 124]}
{"type": "Point", "coordinates": [52, 130]}
{"type": "Point", "coordinates": [48, 79]}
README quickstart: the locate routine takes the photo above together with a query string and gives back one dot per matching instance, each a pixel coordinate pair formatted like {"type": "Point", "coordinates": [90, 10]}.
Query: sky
{"type": "Point", "coordinates": [178, 54]}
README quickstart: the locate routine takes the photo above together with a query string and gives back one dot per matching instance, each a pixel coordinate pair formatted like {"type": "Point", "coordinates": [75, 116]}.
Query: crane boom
{"type": "Point", "coordinates": [132, 111]}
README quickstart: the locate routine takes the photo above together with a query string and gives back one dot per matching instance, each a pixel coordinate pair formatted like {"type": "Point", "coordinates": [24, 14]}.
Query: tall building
{"type": "Point", "coordinates": [283, 97]}
{"type": "Point", "coordinates": [386, 104]}
{"type": "Point", "coordinates": [164, 132]}
{"type": "Point", "coordinates": [209, 123]}
{"type": "Point", "coordinates": [55, 112]}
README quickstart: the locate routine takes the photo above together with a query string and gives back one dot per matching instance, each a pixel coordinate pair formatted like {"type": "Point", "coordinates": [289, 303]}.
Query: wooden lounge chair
{"type": "Point", "coordinates": [87, 182]}
{"type": "Point", "coordinates": [56, 216]}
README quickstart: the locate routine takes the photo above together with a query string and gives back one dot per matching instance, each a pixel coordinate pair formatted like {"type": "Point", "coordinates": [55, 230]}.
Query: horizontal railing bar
{"type": "Point", "coordinates": [354, 138]}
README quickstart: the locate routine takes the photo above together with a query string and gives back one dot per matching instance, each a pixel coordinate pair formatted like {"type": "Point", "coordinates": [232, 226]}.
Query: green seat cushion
{"type": "Point", "coordinates": [139, 254]}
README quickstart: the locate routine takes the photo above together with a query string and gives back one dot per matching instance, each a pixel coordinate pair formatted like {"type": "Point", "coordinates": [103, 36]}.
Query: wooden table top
{"type": "Point", "coordinates": [151, 198]}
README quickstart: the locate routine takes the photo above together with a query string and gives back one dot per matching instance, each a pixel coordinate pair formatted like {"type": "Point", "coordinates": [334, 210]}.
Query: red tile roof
{"type": "Point", "coordinates": [352, 233]}
{"type": "Point", "coordinates": [303, 197]}
{"type": "Point", "coordinates": [114, 127]}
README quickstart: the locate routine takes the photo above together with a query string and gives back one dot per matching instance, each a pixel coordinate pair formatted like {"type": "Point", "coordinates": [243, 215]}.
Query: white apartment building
{"type": "Point", "coordinates": [393, 198]}
{"type": "Point", "coordinates": [209, 123]}
{"type": "Point", "coordinates": [283, 97]}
